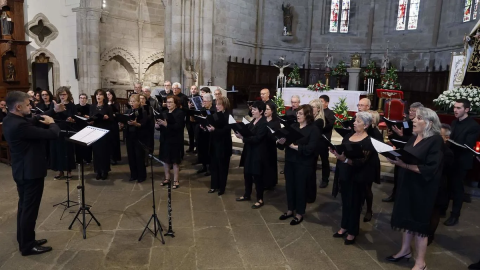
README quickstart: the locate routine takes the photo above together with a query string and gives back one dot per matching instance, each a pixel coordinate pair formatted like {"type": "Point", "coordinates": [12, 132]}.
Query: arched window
{"type": "Point", "coordinates": [470, 10]}
{"type": "Point", "coordinates": [336, 16]}
{"type": "Point", "coordinates": [408, 12]}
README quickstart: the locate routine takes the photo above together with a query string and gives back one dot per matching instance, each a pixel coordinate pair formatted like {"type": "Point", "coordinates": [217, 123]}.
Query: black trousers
{"type": "Point", "coordinates": [136, 159]}
{"type": "Point", "coordinates": [457, 190]}
{"type": "Point", "coordinates": [296, 178]}
{"type": "Point", "coordinates": [219, 173]}
{"type": "Point", "coordinates": [353, 195]}
{"type": "Point", "coordinates": [325, 164]}
{"type": "Point", "coordinates": [191, 134]}
{"type": "Point", "coordinates": [29, 198]}
{"type": "Point", "coordinates": [311, 185]}
{"type": "Point", "coordinates": [259, 185]}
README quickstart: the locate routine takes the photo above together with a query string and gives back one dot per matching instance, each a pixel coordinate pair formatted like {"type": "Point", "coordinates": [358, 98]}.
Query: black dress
{"type": "Point", "coordinates": [311, 189]}
{"type": "Point", "coordinates": [135, 137]}
{"type": "Point", "coordinates": [353, 181]}
{"type": "Point", "coordinates": [417, 192]}
{"type": "Point", "coordinates": [220, 152]}
{"type": "Point", "coordinates": [203, 137]}
{"type": "Point", "coordinates": [62, 152]}
{"type": "Point", "coordinates": [114, 134]}
{"type": "Point", "coordinates": [101, 148]}
{"type": "Point", "coordinates": [82, 152]}
{"type": "Point", "coordinates": [299, 166]}
{"type": "Point", "coordinates": [171, 139]}
{"type": "Point", "coordinates": [45, 107]}
{"type": "Point", "coordinates": [270, 177]}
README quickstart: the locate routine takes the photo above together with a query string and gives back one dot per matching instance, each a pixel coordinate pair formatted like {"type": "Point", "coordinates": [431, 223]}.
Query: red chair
{"type": "Point", "coordinates": [394, 109]}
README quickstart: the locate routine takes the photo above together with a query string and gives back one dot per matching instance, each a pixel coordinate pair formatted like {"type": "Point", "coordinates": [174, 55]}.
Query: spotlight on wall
{"type": "Point", "coordinates": [104, 4]}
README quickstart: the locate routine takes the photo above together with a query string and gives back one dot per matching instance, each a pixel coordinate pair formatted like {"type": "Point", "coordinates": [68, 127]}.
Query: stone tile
{"type": "Point", "coordinates": [86, 259]}
{"type": "Point", "coordinates": [218, 243]}
{"type": "Point", "coordinates": [210, 219]}
{"type": "Point", "coordinates": [245, 218]}
{"type": "Point", "coordinates": [172, 257]}
{"type": "Point", "coordinates": [96, 240]}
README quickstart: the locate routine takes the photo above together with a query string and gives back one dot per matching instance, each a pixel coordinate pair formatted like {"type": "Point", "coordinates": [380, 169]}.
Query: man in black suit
{"type": "Point", "coordinates": [465, 130]}
{"type": "Point", "coordinates": [26, 138]}
{"type": "Point", "coordinates": [177, 91]}
{"type": "Point", "coordinates": [3, 110]}
{"type": "Point", "coordinates": [190, 123]}
{"type": "Point", "coordinates": [327, 131]}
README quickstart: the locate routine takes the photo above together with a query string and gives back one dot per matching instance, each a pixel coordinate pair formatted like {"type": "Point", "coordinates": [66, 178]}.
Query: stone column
{"type": "Point", "coordinates": [353, 78]}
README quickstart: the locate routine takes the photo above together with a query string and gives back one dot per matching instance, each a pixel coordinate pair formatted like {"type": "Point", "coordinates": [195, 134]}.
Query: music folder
{"type": "Point", "coordinates": [124, 118]}
{"type": "Point", "coordinates": [161, 98]}
{"type": "Point", "coordinates": [88, 135]}
{"type": "Point", "coordinates": [346, 124]}
{"type": "Point", "coordinates": [398, 124]}
{"type": "Point", "coordinates": [352, 151]}
{"type": "Point", "coordinates": [398, 144]}
{"type": "Point", "coordinates": [290, 134]}
{"type": "Point", "coordinates": [241, 127]}
{"type": "Point", "coordinates": [197, 102]}
{"type": "Point", "coordinates": [166, 116]}
{"type": "Point", "coordinates": [81, 121]}
{"type": "Point", "coordinates": [388, 152]}
{"type": "Point", "coordinates": [343, 131]}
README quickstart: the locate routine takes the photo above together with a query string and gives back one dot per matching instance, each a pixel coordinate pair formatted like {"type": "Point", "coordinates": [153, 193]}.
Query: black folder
{"type": "Point", "coordinates": [290, 134]}
{"type": "Point", "coordinates": [346, 124]}
{"type": "Point", "coordinates": [399, 124]}
{"type": "Point", "coordinates": [398, 144]}
{"type": "Point", "coordinates": [343, 131]}
{"type": "Point", "coordinates": [124, 118]}
{"type": "Point", "coordinates": [403, 155]}
{"type": "Point", "coordinates": [352, 151]}
{"type": "Point", "coordinates": [242, 129]}
{"type": "Point", "coordinates": [166, 116]}
{"type": "Point", "coordinates": [161, 99]}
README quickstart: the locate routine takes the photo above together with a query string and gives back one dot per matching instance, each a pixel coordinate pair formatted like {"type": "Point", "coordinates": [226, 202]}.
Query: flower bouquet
{"type": "Point", "coordinates": [341, 112]}
{"type": "Point", "coordinates": [318, 87]}
{"type": "Point", "coordinates": [371, 71]}
{"type": "Point", "coordinates": [447, 99]}
{"type": "Point", "coordinates": [340, 69]}
{"type": "Point", "coordinates": [389, 81]}
{"type": "Point", "coordinates": [279, 103]}
{"type": "Point", "coordinates": [293, 79]}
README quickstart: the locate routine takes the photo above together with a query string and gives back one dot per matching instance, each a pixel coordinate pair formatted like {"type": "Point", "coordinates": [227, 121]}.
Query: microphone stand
{"type": "Point", "coordinates": [157, 227]}
{"type": "Point", "coordinates": [68, 203]}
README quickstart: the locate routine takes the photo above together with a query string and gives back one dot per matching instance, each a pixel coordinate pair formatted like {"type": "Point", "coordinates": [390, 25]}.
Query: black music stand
{"type": "Point", "coordinates": [84, 209]}
{"type": "Point", "coordinates": [157, 227]}
{"type": "Point", "coordinates": [68, 203]}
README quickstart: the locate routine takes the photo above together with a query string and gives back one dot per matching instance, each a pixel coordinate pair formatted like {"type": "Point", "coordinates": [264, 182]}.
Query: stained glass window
{"type": "Point", "coordinates": [334, 16]}
{"type": "Point", "coordinates": [470, 10]}
{"type": "Point", "coordinates": [402, 14]}
{"type": "Point", "coordinates": [345, 16]}
{"type": "Point", "coordinates": [475, 10]}
{"type": "Point", "coordinates": [413, 15]}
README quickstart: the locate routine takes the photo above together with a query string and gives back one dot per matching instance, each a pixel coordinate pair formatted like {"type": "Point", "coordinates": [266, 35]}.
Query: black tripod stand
{"type": "Point", "coordinates": [157, 227]}
{"type": "Point", "coordinates": [68, 203]}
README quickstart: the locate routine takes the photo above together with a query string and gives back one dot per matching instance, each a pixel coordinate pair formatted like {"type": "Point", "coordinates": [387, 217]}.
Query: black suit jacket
{"type": "Point", "coordinates": [464, 132]}
{"type": "Point", "coordinates": [26, 138]}
{"type": "Point", "coordinates": [329, 123]}
{"type": "Point", "coordinates": [255, 148]}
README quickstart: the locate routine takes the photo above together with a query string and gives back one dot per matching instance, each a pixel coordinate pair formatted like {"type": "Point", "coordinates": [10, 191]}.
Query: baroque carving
{"type": "Point", "coordinates": [125, 54]}
{"type": "Point", "coordinates": [41, 30]}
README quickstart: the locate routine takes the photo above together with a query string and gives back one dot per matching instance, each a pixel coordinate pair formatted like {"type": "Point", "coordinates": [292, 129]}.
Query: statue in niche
{"type": "Point", "coordinates": [385, 62]}
{"type": "Point", "coordinates": [11, 72]}
{"type": "Point", "coordinates": [3, 3]}
{"type": "Point", "coordinates": [287, 19]}
{"type": "Point", "coordinates": [7, 24]}
{"type": "Point", "coordinates": [191, 77]}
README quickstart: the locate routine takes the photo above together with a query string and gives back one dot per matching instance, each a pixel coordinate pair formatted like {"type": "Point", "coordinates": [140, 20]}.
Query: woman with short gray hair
{"type": "Point", "coordinates": [416, 195]}
{"type": "Point", "coordinates": [353, 176]}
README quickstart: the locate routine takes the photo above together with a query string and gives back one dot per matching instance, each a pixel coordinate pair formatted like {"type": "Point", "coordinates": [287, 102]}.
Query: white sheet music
{"type": "Point", "coordinates": [393, 140]}
{"type": "Point", "coordinates": [83, 118]}
{"type": "Point", "coordinates": [89, 135]}
{"type": "Point", "coordinates": [381, 147]}
{"type": "Point", "coordinates": [231, 120]}
{"type": "Point", "coordinates": [245, 121]}
{"type": "Point", "coordinates": [405, 124]}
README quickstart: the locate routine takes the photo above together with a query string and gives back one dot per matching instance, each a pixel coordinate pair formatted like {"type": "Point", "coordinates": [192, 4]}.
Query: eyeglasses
{"type": "Point", "coordinates": [361, 105]}
{"type": "Point", "coordinates": [44, 95]}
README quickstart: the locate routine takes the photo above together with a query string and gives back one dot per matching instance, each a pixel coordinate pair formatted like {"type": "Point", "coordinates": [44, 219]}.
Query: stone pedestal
{"type": "Point", "coordinates": [353, 78]}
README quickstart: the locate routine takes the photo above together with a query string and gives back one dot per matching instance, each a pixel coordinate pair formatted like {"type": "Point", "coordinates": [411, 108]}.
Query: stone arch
{"type": "Point", "coordinates": [124, 53]}
{"type": "Point", "coordinates": [151, 59]}
{"type": "Point", "coordinates": [52, 59]}
{"type": "Point", "coordinates": [117, 72]}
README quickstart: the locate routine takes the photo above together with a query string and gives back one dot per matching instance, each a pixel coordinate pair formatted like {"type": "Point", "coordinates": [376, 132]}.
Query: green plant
{"type": "Point", "coordinates": [293, 79]}
{"type": "Point", "coordinates": [318, 87]}
{"type": "Point", "coordinates": [280, 104]}
{"type": "Point", "coordinates": [340, 110]}
{"type": "Point", "coordinates": [340, 69]}
{"type": "Point", "coordinates": [371, 71]}
{"type": "Point", "coordinates": [389, 81]}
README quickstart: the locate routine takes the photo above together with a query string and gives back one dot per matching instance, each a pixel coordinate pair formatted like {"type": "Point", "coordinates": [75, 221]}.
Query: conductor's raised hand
{"type": "Point", "coordinates": [58, 107]}
{"type": "Point", "coordinates": [47, 120]}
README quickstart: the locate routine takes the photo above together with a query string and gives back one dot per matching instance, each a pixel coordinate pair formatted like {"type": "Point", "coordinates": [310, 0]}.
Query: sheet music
{"type": "Point", "coordinates": [231, 120]}
{"type": "Point", "coordinates": [405, 125]}
{"type": "Point", "coordinates": [393, 140]}
{"type": "Point", "coordinates": [82, 118]}
{"type": "Point", "coordinates": [245, 121]}
{"type": "Point", "coordinates": [271, 129]}
{"type": "Point", "coordinates": [89, 135]}
{"type": "Point", "coordinates": [381, 147]}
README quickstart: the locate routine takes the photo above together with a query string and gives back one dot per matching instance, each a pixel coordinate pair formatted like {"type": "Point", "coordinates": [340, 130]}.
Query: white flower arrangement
{"type": "Point", "coordinates": [447, 99]}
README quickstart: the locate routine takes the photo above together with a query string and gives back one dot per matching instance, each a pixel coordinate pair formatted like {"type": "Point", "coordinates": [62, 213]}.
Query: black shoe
{"type": "Point", "coordinates": [324, 184]}
{"type": "Point", "coordinates": [451, 221]}
{"type": "Point", "coordinates": [368, 217]}
{"type": "Point", "coordinates": [99, 176]}
{"type": "Point", "coordinates": [475, 266]}
{"type": "Point", "coordinates": [141, 180]}
{"type": "Point", "coordinates": [256, 206]}
{"type": "Point", "coordinates": [58, 177]}
{"type": "Point", "coordinates": [393, 259]}
{"type": "Point", "coordinates": [40, 242]}
{"type": "Point", "coordinates": [349, 242]}
{"type": "Point", "coordinates": [207, 173]}
{"type": "Point", "coordinates": [104, 176]}
{"type": "Point", "coordinates": [241, 199]}
{"type": "Point", "coordinates": [296, 221]}
{"type": "Point", "coordinates": [132, 179]}
{"type": "Point", "coordinates": [339, 235]}
{"type": "Point", "coordinates": [390, 198]}
{"type": "Point", "coordinates": [211, 190]}
{"type": "Point", "coordinates": [220, 193]}
{"type": "Point", "coordinates": [37, 250]}
{"type": "Point", "coordinates": [201, 171]}
{"type": "Point", "coordinates": [285, 216]}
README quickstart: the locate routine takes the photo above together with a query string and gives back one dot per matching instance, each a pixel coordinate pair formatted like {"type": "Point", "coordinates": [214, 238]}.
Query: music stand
{"type": "Point", "coordinates": [85, 137]}
{"type": "Point", "coordinates": [68, 203]}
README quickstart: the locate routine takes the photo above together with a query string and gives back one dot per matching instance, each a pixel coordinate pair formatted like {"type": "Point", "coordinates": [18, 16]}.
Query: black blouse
{"type": "Point", "coordinates": [307, 146]}
{"type": "Point", "coordinates": [103, 110]}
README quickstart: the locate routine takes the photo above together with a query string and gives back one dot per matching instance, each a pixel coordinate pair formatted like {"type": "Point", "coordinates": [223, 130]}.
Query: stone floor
{"type": "Point", "coordinates": [214, 232]}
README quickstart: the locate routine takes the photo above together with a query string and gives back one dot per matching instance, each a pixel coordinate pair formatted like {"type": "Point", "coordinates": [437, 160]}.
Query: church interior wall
{"type": "Point", "coordinates": [64, 46]}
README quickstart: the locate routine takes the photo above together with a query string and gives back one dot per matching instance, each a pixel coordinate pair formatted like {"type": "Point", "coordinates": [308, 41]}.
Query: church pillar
{"type": "Point", "coordinates": [140, 46]}
{"type": "Point", "coordinates": [435, 32]}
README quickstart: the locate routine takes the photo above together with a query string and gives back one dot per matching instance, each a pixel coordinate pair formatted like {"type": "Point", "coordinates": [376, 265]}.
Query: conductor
{"type": "Point", "coordinates": [26, 137]}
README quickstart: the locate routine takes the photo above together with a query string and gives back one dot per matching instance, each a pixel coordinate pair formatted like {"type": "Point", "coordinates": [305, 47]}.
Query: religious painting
{"type": "Point", "coordinates": [345, 16]}
{"type": "Point", "coordinates": [457, 71]}
{"type": "Point", "coordinates": [334, 10]}
{"type": "Point", "coordinates": [475, 10]}
{"type": "Point", "coordinates": [413, 15]}
{"type": "Point", "coordinates": [402, 14]}
{"type": "Point", "coordinates": [467, 12]}
{"type": "Point", "coordinates": [474, 64]}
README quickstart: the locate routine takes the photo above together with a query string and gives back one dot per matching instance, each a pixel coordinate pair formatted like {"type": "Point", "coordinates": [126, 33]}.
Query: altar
{"type": "Point", "coordinates": [352, 97]}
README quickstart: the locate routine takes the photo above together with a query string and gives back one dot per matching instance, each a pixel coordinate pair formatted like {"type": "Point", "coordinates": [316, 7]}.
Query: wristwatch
{"type": "Point", "coordinates": [346, 160]}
